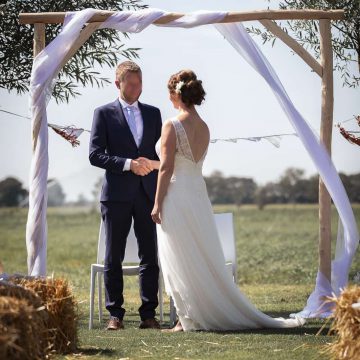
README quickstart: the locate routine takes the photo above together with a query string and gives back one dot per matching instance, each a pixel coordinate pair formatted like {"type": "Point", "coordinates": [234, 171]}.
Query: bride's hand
{"type": "Point", "coordinates": [146, 162]}
{"type": "Point", "coordinates": [155, 214]}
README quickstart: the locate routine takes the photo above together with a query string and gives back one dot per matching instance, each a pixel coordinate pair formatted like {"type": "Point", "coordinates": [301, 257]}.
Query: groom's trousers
{"type": "Point", "coordinates": [117, 217]}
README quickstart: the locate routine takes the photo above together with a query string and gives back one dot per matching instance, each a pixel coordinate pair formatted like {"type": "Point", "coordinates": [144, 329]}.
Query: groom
{"type": "Point", "coordinates": [123, 138]}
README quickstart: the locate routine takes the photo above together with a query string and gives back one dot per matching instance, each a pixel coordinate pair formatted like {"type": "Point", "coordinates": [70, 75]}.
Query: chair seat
{"type": "Point", "coordinates": [98, 267]}
{"type": "Point", "coordinates": [127, 269]}
{"type": "Point", "coordinates": [131, 269]}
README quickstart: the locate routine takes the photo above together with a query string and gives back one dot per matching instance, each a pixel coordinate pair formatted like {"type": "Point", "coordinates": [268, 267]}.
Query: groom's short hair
{"type": "Point", "coordinates": [125, 67]}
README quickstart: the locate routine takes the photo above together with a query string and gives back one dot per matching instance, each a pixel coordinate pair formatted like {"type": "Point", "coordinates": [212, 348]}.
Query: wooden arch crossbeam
{"type": "Point", "coordinates": [267, 18]}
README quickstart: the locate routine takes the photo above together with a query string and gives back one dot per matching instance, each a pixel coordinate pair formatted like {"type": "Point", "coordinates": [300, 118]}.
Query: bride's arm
{"type": "Point", "coordinates": [155, 164]}
{"type": "Point", "coordinates": [166, 169]}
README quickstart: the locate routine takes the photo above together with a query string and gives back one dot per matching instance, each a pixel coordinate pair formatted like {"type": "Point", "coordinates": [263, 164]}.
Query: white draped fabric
{"type": "Point", "coordinates": [46, 67]}
{"type": "Point", "coordinates": [348, 242]}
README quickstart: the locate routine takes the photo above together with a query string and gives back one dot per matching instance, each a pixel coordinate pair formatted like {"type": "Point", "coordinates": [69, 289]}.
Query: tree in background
{"type": "Point", "coordinates": [352, 186]}
{"type": "Point", "coordinates": [307, 190]}
{"type": "Point", "coordinates": [242, 190]}
{"type": "Point", "coordinates": [82, 201]}
{"type": "Point", "coordinates": [217, 188]}
{"type": "Point", "coordinates": [230, 190]}
{"type": "Point", "coordinates": [270, 193]}
{"type": "Point", "coordinates": [345, 39]}
{"type": "Point", "coordinates": [11, 192]}
{"type": "Point", "coordinates": [291, 188]}
{"type": "Point", "coordinates": [289, 184]}
{"type": "Point", "coordinates": [105, 47]}
{"type": "Point", "coordinates": [56, 196]}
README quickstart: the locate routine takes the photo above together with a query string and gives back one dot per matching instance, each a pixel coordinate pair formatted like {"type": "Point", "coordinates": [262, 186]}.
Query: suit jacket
{"type": "Point", "coordinates": [111, 143]}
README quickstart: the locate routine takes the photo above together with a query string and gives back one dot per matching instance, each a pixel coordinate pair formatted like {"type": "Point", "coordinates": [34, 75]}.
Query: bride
{"type": "Point", "coordinates": [190, 253]}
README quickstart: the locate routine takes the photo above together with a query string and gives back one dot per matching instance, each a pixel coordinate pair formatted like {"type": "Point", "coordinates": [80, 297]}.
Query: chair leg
{"type": "Point", "coordinates": [92, 294]}
{"type": "Point", "coordinates": [172, 312]}
{"type": "Point", "coordinates": [99, 278]}
{"type": "Point", "coordinates": [161, 300]}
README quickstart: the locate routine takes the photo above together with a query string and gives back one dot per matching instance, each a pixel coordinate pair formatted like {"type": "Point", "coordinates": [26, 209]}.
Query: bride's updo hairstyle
{"type": "Point", "coordinates": [186, 84]}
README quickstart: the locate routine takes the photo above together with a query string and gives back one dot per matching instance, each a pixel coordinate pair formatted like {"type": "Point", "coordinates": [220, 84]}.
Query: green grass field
{"type": "Point", "coordinates": [277, 265]}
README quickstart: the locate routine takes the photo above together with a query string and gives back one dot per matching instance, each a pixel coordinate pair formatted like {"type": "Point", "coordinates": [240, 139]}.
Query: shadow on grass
{"type": "Point", "coordinates": [311, 327]}
{"type": "Point", "coordinates": [283, 331]}
{"type": "Point", "coordinates": [93, 351]}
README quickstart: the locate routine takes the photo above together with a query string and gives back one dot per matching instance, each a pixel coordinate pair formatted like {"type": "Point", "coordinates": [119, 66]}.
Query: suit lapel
{"type": "Point", "coordinates": [119, 113]}
{"type": "Point", "coordinates": [145, 123]}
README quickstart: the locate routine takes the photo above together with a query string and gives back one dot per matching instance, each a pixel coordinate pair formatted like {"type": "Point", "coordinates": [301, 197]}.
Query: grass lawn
{"type": "Point", "coordinates": [277, 265]}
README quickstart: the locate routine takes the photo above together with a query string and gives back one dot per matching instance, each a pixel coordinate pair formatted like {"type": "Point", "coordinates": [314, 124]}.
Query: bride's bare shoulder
{"type": "Point", "coordinates": [168, 128]}
{"type": "Point", "coordinates": [204, 127]}
{"type": "Point", "coordinates": [168, 123]}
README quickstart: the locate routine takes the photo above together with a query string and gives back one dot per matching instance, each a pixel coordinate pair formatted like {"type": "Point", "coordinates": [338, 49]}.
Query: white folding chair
{"type": "Point", "coordinates": [225, 227]}
{"type": "Point", "coordinates": [97, 270]}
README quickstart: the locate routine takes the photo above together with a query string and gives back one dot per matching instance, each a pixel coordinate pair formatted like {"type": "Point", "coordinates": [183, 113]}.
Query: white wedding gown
{"type": "Point", "coordinates": [191, 257]}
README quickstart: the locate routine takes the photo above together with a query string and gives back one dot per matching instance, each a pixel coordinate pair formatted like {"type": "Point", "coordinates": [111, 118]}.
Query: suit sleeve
{"type": "Point", "coordinates": [158, 129]}
{"type": "Point", "coordinates": [97, 148]}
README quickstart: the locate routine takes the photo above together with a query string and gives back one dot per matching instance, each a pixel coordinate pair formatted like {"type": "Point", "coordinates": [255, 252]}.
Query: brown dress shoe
{"type": "Point", "coordinates": [114, 324]}
{"type": "Point", "coordinates": [149, 324]}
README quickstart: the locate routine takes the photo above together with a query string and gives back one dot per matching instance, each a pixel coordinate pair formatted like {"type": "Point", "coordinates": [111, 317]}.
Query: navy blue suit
{"type": "Point", "coordinates": [126, 196]}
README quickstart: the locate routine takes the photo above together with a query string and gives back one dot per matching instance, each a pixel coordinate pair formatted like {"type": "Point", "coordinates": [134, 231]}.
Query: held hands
{"type": "Point", "coordinates": [141, 166]}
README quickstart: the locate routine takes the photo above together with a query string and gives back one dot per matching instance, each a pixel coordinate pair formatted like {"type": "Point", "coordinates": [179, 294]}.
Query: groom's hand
{"type": "Point", "coordinates": [140, 168]}
{"type": "Point", "coordinates": [146, 162]}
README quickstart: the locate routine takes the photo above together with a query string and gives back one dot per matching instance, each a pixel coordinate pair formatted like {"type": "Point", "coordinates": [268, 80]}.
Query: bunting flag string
{"type": "Point", "coordinates": [272, 139]}
{"type": "Point", "coordinates": [71, 133]}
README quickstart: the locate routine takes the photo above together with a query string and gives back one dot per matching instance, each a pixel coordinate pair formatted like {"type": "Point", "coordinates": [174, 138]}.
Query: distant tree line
{"type": "Point", "coordinates": [292, 187]}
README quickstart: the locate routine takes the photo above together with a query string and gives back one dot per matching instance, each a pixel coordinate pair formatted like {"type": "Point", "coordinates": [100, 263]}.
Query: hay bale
{"type": "Point", "coordinates": [60, 306]}
{"type": "Point", "coordinates": [19, 292]}
{"type": "Point", "coordinates": [346, 325]}
{"type": "Point", "coordinates": [22, 330]}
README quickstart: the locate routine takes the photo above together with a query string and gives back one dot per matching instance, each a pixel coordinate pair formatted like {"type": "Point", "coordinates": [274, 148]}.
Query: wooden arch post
{"type": "Point", "coordinates": [327, 107]}
{"type": "Point", "coordinates": [266, 17]}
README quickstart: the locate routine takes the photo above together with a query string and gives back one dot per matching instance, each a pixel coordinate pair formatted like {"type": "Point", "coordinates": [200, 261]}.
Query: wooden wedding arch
{"type": "Point", "coordinates": [323, 68]}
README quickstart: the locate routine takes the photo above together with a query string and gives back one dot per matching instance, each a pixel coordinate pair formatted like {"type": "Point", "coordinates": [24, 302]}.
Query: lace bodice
{"type": "Point", "coordinates": [183, 149]}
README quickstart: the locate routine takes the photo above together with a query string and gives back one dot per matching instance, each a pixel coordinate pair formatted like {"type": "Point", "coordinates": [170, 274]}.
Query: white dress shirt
{"type": "Point", "coordinates": [138, 122]}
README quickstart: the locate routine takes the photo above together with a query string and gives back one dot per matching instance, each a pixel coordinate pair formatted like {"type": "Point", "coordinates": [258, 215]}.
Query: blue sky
{"type": "Point", "coordinates": [238, 104]}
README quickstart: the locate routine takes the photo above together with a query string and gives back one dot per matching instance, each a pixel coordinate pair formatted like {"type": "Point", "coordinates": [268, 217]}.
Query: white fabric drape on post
{"type": "Point", "coordinates": [247, 48]}
{"type": "Point", "coordinates": [46, 67]}
{"type": "Point", "coordinates": [44, 71]}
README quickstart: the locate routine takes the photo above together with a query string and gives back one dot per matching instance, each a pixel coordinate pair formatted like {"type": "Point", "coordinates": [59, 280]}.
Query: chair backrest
{"type": "Point", "coordinates": [225, 226]}
{"type": "Point", "coordinates": [131, 251]}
